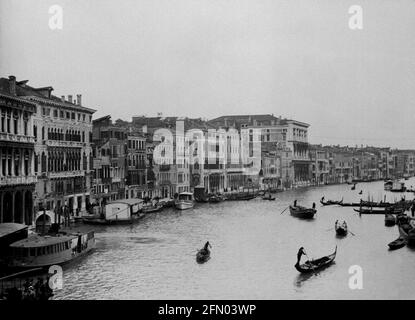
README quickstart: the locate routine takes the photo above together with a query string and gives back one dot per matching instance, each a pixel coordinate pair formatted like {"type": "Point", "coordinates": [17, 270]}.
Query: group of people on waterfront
{"type": "Point", "coordinates": [30, 291]}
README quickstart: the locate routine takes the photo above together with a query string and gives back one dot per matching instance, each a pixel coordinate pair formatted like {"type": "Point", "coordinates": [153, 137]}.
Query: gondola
{"type": "Point", "coordinates": [390, 219]}
{"type": "Point", "coordinates": [203, 254]}
{"type": "Point", "coordinates": [302, 212]}
{"type": "Point", "coordinates": [406, 229]}
{"type": "Point", "coordinates": [269, 198]}
{"type": "Point", "coordinates": [314, 265]}
{"type": "Point", "coordinates": [398, 243]}
{"type": "Point", "coordinates": [341, 229]}
{"type": "Point", "coordinates": [330, 202]}
{"type": "Point", "coordinates": [379, 211]}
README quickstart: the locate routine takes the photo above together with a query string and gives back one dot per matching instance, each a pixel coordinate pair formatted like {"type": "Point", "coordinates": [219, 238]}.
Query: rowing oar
{"type": "Point", "coordinates": [351, 233]}
{"type": "Point", "coordinates": [284, 210]}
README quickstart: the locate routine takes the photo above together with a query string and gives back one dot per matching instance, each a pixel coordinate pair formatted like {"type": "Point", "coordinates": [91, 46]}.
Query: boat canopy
{"type": "Point", "coordinates": [39, 241]}
{"type": "Point", "coordinates": [9, 228]}
{"type": "Point", "coordinates": [186, 193]}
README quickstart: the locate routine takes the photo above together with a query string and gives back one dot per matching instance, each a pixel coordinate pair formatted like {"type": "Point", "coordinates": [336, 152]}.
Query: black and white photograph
{"type": "Point", "coordinates": [200, 150]}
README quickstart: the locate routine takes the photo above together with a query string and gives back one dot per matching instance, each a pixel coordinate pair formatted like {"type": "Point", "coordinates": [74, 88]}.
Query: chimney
{"type": "Point", "coordinates": [63, 98]}
{"type": "Point", "coordinates": [69, 98]}
{"type": "Point", "coordinates": [79, 99]}
{"type": "Point", "coordinates": [12, 84]}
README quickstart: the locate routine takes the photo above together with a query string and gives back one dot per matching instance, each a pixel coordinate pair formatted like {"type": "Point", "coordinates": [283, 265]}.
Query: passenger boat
{"type": "Point", "coordinates": [398, 243]}
{"type": "Point", "coordinates": [184, 201]}
{"type": "Point", "coordinates": [34, 251]}
{"type": "Point", "coordinates": [390, 219]}
{"type": "Point", "coordinates": [314, 265]}
{"type": "Point", "coordinates": [123, 211]}
{"type": "Point", "coordinates": [341, 228]}
{"type": "Point", "coordinates": [330, 202]}
{"type": "Point", "coordinates": [302, 212]}
{"type": "Point", "coordinates": [203, 254]}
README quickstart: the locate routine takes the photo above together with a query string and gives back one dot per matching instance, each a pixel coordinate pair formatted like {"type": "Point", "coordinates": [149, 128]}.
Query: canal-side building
{"type": "Point", "coordinates": [62, 130]}
{"type": "Point", "coordinates": [17, 176]}
{"type": "Point", "coordinates": [319, 157]}
{"type": "Point", "coordinates": [136, 185]}
{"type": "Point", "coordinates": [110, 161]}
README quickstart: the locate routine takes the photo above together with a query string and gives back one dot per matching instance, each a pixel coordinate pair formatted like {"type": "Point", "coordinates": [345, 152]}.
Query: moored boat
{"type": "Point", "coordinates": [184, 201]}
{"type": "Point", "coordinates": [152, 208]}
{"type": "Point", "coordinates": [34, 251]}
{"type": "Point", "coordinates": [379, 211]}
{"type": "Point", "coordinates": [123, 211]}
{"type": "Point", "coordinates": [330, 202]}
{"type": "Point", "coordinates": [313, 265]}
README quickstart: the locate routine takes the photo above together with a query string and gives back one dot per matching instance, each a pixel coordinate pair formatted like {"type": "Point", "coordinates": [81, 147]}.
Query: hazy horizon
{"type": "Point", "coordinates": [296, 59]}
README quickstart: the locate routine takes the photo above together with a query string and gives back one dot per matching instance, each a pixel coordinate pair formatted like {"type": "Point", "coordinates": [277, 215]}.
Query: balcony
{"type": "Point", "coordinates": [66, 174]}
{"type": "Point", "coordinates": [164, 167]}
{"type": "Point", "coordinates": [19, 138]}
{"type": "Point", "coordinates": [6, 181]}
{"type": "Point", "coordinates": [62, 143]}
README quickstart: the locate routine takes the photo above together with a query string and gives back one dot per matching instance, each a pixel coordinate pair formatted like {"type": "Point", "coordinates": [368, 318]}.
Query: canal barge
{"type": "Point", "coordinates": [124, 211]}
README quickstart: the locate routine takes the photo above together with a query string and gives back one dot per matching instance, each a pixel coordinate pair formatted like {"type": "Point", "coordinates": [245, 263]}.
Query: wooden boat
{"type": "Point", "coordinates": [152, 208]}
{"type": "Point", "coordinates": [184, 201]}
{"type": "Point", "coordinates": [203, 254]}
{"type": "Point", "coordinates": [390, 219]}
{"type": "Point", "coordinates": [406, 230]}
{"type": "Point", "coordinates": [302, 212]}
{"type": "Point", "coordinates": [398, 243]}
{"type": "Point", "coordinates": [330, 202]}
{"type": "Point", "coordinates": [269, 197]}
{"type": "Point", "coordinates": [215, 198]}
{"type": "Point", "coordinates": [341, 228]}
{"type": "Point", "coordinates": [379, 211]}
{"type": "Point", "coordinates": [398, 187]}
{"type": "Point", "coordinates": [314, 265]}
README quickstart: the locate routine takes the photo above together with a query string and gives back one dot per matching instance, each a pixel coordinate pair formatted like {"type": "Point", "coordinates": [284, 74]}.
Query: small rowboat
{"type": "Point", "coordinates": [398, 243]}
{"type": "Point", "coordinates": [302, 212]}
{"type": "Point", "coordinates": [390, 220]}
{"type": "Point", "coordinates": [269, 198]}
{"type": "Point", "coordinates": [341, 229]}
{"type": "Point", "coordinates": [313, 265]}
{"type": "Point", "coordinates": [330, 202]}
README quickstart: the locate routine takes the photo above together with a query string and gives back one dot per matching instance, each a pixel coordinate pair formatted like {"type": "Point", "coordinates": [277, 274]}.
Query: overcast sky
{"type": "Point", "coordinates": [206, 58]}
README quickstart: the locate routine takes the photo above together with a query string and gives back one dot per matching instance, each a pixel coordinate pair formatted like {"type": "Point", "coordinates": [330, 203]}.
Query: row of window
{"type": "Point", "coordinates": [39, 251]}
{"type": "Point", "coordinates": [46, 112]}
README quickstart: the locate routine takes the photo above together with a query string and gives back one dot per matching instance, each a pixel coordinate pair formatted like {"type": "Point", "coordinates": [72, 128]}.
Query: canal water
{"type": "Point", "coordinates": [254, 250]}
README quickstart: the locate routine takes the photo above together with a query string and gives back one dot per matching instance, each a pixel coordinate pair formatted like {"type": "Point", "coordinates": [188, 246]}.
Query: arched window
{"type": "Point", "coordinates": [43, 162]}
